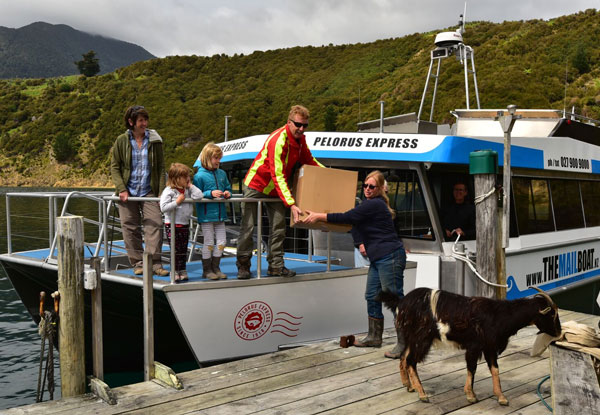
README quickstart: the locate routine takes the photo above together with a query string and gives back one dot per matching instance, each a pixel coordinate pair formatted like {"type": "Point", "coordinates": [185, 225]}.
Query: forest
{"type": "Point", "coordinates": [59, 131]}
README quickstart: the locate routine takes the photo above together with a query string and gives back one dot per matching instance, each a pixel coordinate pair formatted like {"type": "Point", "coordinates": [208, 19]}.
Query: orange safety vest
{"type": "Point", "coordinates": [272, 167]}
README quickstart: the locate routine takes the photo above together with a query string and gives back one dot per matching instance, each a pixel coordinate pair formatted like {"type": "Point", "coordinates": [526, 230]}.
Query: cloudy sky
{"type": "Point", "coordinates": [201, 27]}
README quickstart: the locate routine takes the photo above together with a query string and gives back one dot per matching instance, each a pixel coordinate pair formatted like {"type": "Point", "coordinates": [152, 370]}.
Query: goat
{"type": "Point", "coordinates": [477, 325]}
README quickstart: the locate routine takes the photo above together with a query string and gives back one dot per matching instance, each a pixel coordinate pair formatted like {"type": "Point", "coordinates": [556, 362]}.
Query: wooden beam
{"type": "Point", "coordinates": [575, 388]}
{"type": "Point", "coordinates": [97, 339]}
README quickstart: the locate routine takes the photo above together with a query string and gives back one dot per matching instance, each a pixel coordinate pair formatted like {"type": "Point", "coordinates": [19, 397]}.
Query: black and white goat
{"type": "Point", "coordinates": [480, 326]}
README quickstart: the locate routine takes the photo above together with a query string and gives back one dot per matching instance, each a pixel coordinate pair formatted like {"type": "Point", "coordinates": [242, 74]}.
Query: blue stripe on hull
{"type": "Point", "coordinates": [515, 293]}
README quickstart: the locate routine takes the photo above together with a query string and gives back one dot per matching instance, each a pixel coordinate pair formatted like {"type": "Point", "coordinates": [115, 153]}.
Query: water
{"type": "Point", "coordinates": [20, 342]}
{"type": "Point", "coordinates": [19, 338]}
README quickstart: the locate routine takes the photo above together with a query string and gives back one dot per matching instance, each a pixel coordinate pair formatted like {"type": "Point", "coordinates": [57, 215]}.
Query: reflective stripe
{"type": "Point", "coordinates": [269, 188]}
{"type": "Point", "coordinates": [278, 166]}
{"type": "Point", "coordinates": [259, 162]}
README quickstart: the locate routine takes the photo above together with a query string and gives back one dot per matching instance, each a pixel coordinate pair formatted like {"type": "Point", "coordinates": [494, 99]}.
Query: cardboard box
{"type": "Point", "coordinates": [324, 190]}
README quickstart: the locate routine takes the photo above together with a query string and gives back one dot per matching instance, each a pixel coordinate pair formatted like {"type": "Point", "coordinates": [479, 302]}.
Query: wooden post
{"type": "Point", "coordinates": [507, 122]}
{"type": "Point", "coordinates": [149, 316]}
{"type": "Point", "coordinates": [500, 262]}
{"type": "Point", "coordinates": [71, 333]}
{"type": "Point", "coordinates": [486, 215]}
{"type": "Point", "coordinates": [97, 340]}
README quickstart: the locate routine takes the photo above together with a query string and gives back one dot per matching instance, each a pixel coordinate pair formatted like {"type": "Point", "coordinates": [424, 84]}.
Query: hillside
{"type": "Point", "coordinates": [522, 63]}
{"type": "Point", "coordinates": [43, 50]}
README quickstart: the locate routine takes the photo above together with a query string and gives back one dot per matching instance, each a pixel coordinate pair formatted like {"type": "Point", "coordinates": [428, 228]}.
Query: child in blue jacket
{"type": "Point", "coordinates": [212, 216]}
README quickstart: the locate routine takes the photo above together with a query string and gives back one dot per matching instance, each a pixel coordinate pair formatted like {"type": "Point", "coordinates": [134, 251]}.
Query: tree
{"type": "Point", "coordinates": [88, 66]}
{"type": "Point", "coordinates": [330, 118]}
{"type": "Point", "coordinates": [581, 59]}
{"type": "Point", "coordinates": [63, 147]}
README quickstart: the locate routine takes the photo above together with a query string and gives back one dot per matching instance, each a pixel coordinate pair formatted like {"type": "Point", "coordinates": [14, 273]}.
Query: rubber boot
{"type": "Point", "coordinates": [216, 261]}
{"type": "Point", "coordinates": [396, 352]}
{"type": "Point", "coordinates": [373, 339]}
{"type": "Point", "coordinates": [207, 270]}
{"type": "Point", "coordinates": [243, 265]}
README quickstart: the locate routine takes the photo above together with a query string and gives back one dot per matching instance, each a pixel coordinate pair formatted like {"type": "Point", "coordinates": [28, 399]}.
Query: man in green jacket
{"type": "Point", "coordinates": [137, 169]}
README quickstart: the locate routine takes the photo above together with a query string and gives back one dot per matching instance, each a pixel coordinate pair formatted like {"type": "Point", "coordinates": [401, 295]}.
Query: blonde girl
{"type": "Point", "coordinates": [212, 216]}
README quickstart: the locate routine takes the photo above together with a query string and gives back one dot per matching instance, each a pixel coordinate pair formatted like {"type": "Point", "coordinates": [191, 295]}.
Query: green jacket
{"type": "Point", "coordinates": [120, 163]}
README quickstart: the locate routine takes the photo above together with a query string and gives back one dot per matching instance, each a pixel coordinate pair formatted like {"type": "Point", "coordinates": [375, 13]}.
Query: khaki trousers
{"type": "Point", "coordinates": [276, 213]}
{"type": "Point", "coordinates": [148, 214]}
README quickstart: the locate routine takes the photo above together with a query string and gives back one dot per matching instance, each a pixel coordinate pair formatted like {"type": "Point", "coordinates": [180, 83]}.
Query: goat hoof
{"type": "Point", "coordinates": [503, 401]}
{"type": "Point", "coordinates": [410, 388]}
{"type": "Point", "coordinates": [424, 398]}
{"type": "Point", "coordinates": [472, 399]}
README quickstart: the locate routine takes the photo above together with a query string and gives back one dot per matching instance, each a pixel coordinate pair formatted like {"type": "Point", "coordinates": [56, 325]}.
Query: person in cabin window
{"type": "Point", "coordinates": [179, 187]}
{"type": "Point", "coordinates": [459, 217]}
{"type": "Point", "coordinates": [212, 216]}
{"type": "Point", "coordinates": [137, 170]}
{"type": "Point", "coordinates": [269, 176]}
{"type": "Point", "coordinates": [373, 224]}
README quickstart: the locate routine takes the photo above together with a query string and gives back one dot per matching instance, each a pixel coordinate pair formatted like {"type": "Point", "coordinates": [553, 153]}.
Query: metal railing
{"type": "Point", "coordinates": [105, 201]}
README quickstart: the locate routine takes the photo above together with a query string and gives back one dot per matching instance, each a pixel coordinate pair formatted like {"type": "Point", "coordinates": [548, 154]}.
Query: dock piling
{"type": "Point", "coordinates": [71, 333]}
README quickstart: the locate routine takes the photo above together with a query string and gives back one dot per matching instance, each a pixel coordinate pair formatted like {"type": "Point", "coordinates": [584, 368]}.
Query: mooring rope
{"type": "Point", "coordinates": [480, 198]}
{"type": "Point", "coordinates": [462, 256]}
{"type": "Point", "coordinates": [47, 329]}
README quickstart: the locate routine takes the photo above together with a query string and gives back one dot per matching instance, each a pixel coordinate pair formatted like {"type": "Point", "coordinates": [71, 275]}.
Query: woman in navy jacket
{"type": "Point", "coordinates": [212, 216]}
{"type": "Point", "coordinates": [373, 221]}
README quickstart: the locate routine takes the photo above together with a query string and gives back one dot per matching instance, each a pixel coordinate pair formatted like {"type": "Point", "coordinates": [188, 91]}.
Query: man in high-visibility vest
{"type": "Point", "coordinates": [270, 176]}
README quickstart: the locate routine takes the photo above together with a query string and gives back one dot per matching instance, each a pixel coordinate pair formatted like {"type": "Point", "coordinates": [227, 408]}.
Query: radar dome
{"type": "Point", "coordinates": [448, 39]}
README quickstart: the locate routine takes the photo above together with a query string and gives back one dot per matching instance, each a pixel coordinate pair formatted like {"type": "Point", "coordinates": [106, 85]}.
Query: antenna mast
{"type": "Point", "coordinates": [448, 44]}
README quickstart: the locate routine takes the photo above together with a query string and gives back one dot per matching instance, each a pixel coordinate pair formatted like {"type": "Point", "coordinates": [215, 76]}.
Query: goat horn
{"type": "Point", "coordinates": [546, 296]}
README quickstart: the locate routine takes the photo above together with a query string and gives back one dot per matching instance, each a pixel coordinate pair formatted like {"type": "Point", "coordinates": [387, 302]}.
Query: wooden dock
{"type": "Point", "coordinates": [326, 379]}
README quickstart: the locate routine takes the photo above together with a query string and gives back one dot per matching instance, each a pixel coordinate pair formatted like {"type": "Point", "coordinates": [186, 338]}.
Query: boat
{"type": "Point", "coordinates": [554, 234]}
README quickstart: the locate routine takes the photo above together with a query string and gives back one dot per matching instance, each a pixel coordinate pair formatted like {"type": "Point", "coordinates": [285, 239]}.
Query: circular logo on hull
{"type": "Point", "coordinates": [253, 320]}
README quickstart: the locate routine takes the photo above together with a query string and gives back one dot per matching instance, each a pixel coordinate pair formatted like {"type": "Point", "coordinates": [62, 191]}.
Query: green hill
{"type": "Point", "coordinates": [46, 50]}
{"type": "Point", "coordinates": [523, 63]}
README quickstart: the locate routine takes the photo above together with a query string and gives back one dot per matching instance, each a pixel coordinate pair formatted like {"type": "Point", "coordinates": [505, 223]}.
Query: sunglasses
{"type": "Point", "coordinates": [369, 186]}
{"type": "Point", "coordinates": [299, 124]}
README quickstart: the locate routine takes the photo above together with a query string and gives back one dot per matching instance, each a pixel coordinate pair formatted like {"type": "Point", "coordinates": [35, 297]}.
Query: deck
{"type": "Point", "coordinates": [326, 379]}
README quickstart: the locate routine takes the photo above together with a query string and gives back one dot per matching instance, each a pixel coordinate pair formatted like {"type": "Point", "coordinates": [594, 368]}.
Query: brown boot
{"type": "Point", "coordinates": [207, 271]}
{"type": "Point", "coordinates": [373, 338]}
{"type": "Point", "coordinates": [216, 261]}
{"type": "Point", "coordinates": [243, 265]}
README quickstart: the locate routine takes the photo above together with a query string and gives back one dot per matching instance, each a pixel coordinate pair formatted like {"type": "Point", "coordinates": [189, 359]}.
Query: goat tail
{"type": "Point", "coordinates": [389, 299]}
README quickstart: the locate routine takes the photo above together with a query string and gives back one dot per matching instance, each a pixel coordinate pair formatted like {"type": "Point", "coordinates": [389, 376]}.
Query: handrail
{"type": "Point", "coordinates": [106, 200]}
{"type": "Point", "coordinates": [64, 210]}
{"type": "Point", "coordinates": [234, 198]}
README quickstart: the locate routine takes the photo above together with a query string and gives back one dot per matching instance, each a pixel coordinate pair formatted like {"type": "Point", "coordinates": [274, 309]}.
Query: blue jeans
{"type": "Point", "coordinates": [387, 274]}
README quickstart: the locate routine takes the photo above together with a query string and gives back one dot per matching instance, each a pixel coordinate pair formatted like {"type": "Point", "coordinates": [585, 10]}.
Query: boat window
{"type": "Point", "coordinates": [532, 205]}
{"type": "Point", "coordinates": [406, 198]}
{"type": "Point", "coordinates": [566, 201]}
{"type": "Point", "coordinates": [590, 193]}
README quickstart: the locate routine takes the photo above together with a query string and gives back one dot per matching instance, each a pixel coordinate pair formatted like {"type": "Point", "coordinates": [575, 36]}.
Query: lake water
{"type": "Point", "coordinates": [19, 338]}
{"type": "Point", "coordinates": [20, 342]}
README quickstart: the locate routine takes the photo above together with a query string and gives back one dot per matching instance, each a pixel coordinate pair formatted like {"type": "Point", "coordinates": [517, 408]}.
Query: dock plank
{"type": "Point", "coordinates": [324, 378]}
